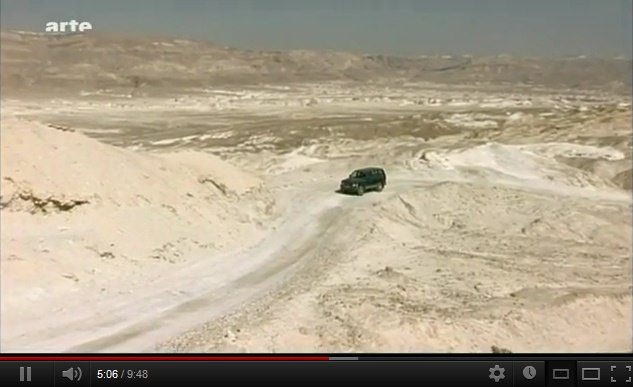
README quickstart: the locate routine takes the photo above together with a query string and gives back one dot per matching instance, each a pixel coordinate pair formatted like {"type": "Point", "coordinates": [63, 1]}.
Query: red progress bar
{"type": "Point", "coordinates": [162, 358]}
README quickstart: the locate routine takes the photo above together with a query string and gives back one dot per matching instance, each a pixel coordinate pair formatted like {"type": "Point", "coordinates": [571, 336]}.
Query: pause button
{"type": "Point", "coordinates": [25, 374]}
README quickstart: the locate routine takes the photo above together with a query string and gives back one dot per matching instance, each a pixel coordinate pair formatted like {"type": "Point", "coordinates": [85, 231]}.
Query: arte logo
{"type": "Point", "coordinates": [69, 26]}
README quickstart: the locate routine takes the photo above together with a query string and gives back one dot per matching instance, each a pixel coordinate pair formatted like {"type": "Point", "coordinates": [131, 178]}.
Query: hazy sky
{"type": "Point", "coordinates": [404, 27]}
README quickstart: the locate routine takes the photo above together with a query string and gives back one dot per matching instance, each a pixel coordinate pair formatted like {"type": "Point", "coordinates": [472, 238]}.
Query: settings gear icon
{"type": "Point", "coordinates": [497, 373]}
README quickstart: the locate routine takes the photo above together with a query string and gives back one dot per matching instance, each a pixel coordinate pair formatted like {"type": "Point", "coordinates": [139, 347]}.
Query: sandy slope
{"type": "Point", "coordinates": [87, 228]}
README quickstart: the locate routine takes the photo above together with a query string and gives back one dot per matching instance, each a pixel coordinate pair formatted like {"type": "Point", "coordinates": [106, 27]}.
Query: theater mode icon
{"type": "Point", "coordinates": [592, 374]}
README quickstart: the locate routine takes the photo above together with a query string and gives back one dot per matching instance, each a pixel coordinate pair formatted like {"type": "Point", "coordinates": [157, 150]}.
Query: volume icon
{"type": "Point", "coordinates": [72, 374]}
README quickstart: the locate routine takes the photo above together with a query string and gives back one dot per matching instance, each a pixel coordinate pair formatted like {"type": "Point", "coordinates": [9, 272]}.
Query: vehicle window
{"type": "Point", "coordinates": [358, 174]}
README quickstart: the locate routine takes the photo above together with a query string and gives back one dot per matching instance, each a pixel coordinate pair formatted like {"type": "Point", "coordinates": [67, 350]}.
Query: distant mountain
{"type": "Point", "coordinates": [32, 61]}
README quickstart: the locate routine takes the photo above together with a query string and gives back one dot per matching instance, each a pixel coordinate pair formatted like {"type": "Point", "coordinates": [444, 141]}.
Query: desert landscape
{"type": "Point", "coordinates": [172, 195]}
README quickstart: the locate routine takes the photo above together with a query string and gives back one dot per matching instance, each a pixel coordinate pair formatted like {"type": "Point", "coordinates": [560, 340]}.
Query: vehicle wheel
{"type": "Point", "coordinates": [380, 187]}
{"type": "Point", "coordinates": [360, 190]}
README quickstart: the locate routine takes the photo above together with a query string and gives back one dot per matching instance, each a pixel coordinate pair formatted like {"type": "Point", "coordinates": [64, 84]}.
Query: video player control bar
{"type": "Point", "coordinates": [476, 372]}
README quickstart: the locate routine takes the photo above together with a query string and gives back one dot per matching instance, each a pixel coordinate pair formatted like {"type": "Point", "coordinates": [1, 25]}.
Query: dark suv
{"type": "Point", "coordinates": [365, 179]}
